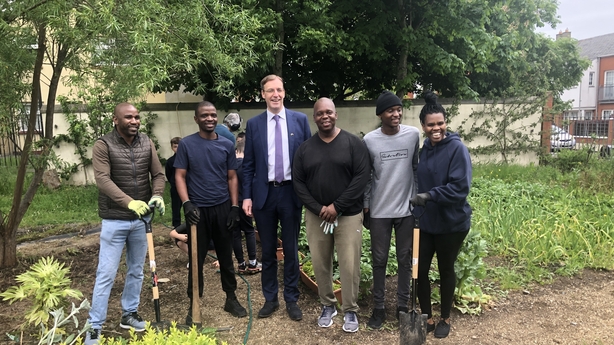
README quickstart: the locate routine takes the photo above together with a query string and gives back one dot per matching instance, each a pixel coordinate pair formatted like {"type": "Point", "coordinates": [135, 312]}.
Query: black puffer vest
{"type": "Point", "coordinates": [129, 170]}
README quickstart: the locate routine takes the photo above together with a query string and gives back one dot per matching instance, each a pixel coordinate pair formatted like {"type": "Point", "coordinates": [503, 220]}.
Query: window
{"type": "Point", "coordinates": [588, 115]}
{"type": "Point", "coordinates": [607, 114]}
{"type": "Point", "coordinates": [598, 128]}
{"type": "Point", "coordinates": [591, 79]}
{"type": "Point", "coordinates": [570, 115]}
{"type": "Point", "coordinates": [608, 85]}
{"type": "Point", "coordinates": [24, 119]}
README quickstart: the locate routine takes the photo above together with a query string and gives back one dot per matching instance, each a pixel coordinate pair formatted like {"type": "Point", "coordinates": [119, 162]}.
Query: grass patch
{"type": "Point", "coordinates": [67, 209]}
{"type": "Point", "coordinates": [544, 222]}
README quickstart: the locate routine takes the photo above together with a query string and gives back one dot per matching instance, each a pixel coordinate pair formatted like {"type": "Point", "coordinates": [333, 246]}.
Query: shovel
{"type": "Point", "coordinates": [154, 276]}
{"type": "Point", "coordinates": [195, 307]}
{"type": "Point", "coordinates": [413, 325]}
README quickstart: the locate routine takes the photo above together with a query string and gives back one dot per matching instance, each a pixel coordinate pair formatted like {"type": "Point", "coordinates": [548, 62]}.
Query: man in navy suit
{"type": "Point", "coordinates": [271, 139]}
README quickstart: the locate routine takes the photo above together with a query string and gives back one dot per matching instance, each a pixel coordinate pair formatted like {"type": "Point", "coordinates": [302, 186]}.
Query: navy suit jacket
{"type": "Point", "coordinates": [255, 161]}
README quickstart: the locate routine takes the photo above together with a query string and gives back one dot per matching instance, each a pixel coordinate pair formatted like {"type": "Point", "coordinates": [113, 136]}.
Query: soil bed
{"type": "Point", "coordinates": [576, 310]}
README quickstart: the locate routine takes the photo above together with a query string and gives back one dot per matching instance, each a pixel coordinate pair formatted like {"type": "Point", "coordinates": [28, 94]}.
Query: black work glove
{"type": "Point", "coordinates": [191, 212]}
{"type": "Point", "coordinates": [234, 217]}
{"type": "Point", "coordinates": [366, 220]}
{"type": "Point", "coordinates": [420, 199]}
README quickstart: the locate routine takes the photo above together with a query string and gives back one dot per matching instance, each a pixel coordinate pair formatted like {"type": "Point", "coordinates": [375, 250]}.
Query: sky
{"type": "Point", "coordinates": [584, 18]}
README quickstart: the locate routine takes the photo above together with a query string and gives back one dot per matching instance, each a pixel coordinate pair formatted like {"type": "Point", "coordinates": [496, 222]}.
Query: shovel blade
{"type": "Point", "coordinates": [161, 325]}
{"type": "Point", "coordinates": [412, 327]}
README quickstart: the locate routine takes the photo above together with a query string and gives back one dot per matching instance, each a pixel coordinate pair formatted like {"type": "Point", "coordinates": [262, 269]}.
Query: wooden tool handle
{"type": "Point", "coordinates": [194, 268]}
{"type": "Point", "coordinates": [415, 254]}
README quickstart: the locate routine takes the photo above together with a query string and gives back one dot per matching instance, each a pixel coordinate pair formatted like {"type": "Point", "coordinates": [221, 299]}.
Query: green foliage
{"type": "Point", "coordinates": [505, 127]}
{"type": "Point", "coordinates": [46, 285]}
{"type": "Point", "coordinates": [366, 265]}
{"type": "Point", "coordinates": [122, 48]}
{"type": "Point", "coordinates": [84, 125]}
{"type": "Point", "coordinates": [513, 172]}
{"type": "Point", "coordinates": [544, 227]}
{"type": "Point", "coordinates": [470, 271]}
{"type": "Point", "coordinates": [68, 209]}
{"type": "Point", "coordinates": [460, 48]}
{"type": "Point", "coordinates": [173, 335]}
{"type": "Point", "coordinates": [61, 207]}
{"type": "Point", "coordinates": [570, 160]}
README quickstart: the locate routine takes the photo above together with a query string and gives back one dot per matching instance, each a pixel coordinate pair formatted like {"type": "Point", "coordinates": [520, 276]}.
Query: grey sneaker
{"type": "Point", "coordinates": [92, 337]}
{"type": "Point", "coordinates": [132, 321]}
{"type": "Point", "coordinates": [326, 318]}
{"type": "Point", "coordinates": [351, 322]}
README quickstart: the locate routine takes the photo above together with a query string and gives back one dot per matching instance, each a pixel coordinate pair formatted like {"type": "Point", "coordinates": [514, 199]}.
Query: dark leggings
{"type": "Point", "coordinates": [245, 226]}
{"type": "Point", "coordinates": [447, 247]}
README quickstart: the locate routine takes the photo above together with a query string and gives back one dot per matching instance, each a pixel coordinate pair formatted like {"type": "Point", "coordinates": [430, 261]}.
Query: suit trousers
{"type": "Point", "coordinates": [281, 209]}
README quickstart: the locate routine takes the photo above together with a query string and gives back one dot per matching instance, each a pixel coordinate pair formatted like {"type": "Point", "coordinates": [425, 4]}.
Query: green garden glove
{"type": "Point", "coordinates": [139, 207]}
{"type": "Point", "coordinates": [158, 202]}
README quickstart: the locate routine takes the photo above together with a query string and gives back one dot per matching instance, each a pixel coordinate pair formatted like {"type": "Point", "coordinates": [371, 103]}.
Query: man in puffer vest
{"type": "Point", "coordinates": [125, 161]}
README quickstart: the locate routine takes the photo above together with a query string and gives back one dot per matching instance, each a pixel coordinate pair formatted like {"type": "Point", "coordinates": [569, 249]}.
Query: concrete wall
{"type": "Point", "coordinates": [358, 117]}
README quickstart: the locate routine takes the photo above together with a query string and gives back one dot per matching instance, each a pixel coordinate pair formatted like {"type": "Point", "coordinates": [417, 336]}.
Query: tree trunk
{"type": "Point", "coordinates": [401, 86]}
{"type": "Point", "coordinates": [279, 54]}
{"type": "Point", "coordinates": [8, 243]}
{"type": "Point", "coordinates": [8, 248]}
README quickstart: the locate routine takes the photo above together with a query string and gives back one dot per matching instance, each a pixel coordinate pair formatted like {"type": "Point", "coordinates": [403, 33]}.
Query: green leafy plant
{"type": "Point", "coordinates": [173, 335]}
{"type": "Point", "coordinates": [307, 268]}
{"type": "Point", "coordinates": [46, 285]}
{"type": "Point", "coordinates": [470, 270]}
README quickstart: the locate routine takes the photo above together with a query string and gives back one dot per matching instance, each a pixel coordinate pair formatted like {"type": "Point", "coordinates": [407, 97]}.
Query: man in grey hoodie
{"type": "Point", "coordinates": [393, 149]}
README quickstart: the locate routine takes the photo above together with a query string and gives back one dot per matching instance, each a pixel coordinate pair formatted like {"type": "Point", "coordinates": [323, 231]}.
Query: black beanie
{"type": "Point", "coordinates": [386, 100]}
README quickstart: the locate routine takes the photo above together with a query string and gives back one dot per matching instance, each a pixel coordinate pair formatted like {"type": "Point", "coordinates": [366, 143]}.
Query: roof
{"type": "Point", "coordinates": [595, 47]}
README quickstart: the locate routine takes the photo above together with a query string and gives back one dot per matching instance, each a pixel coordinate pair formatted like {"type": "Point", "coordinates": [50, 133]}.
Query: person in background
{"type": "Point", "coordinates": [180, 235]}
{"type": "Point", "coordinates": [130, 180]}
{"type": "Point", "coordinates": [241, 137]}
{"type": "Point", "coordinates": [246, 226]}
{"type": "Point", "coordinates": [170, 177]}
{"type": "Point", "coordinates": [393, 149]}
{"type": "Point", "coordinates": [231, 123]}
{"type": "Point", "coordinates": [208, 187]}
{"type": "Point", "coordinates": [271, 139]}
{"type": "Point", "coordinates": [444, 180]}
{"type": "Point", "coordinates": [330, 173]}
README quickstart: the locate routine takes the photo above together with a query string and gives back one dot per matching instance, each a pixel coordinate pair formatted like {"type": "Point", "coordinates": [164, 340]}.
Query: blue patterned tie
{"type": "Point", "coordinates": [279, 153]}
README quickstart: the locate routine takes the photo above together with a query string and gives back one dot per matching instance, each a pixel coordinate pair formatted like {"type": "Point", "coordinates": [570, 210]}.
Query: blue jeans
{"type": "Point", "coordinates": [114, 235]}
